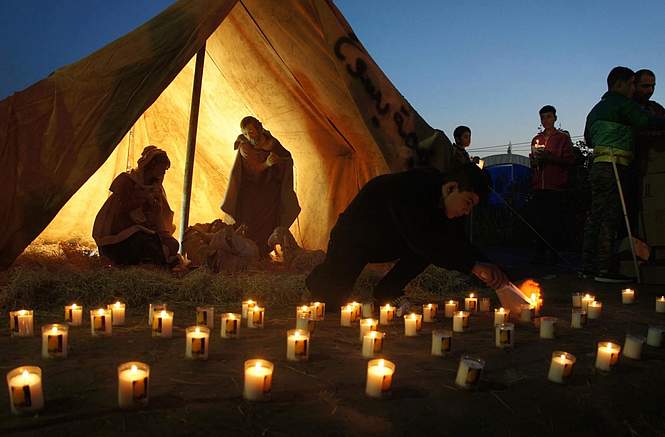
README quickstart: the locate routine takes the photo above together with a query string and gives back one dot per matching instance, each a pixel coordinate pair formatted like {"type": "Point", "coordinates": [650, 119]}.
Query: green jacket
{"type": "Point", "coordinates": [610, 128]}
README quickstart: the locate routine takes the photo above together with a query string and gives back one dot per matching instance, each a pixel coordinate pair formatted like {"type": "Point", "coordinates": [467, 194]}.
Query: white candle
{"type": "Point", "coordinates": [627, 296]}
{"type": "Point", "coordinates": [258, 379]}
{"type": "Point", "coordinates": [25, 389]}
{"type": "Point", "coordinates": [197, 342]}
{"type": "Point", "coordinates": [162, 324]}
{"type": "Point", "coordinates": [429, 312]}
{"type": "Point", "coordinates": [74, 315]}
{"type": "Point", "coordinates": [484, 304]}
{"type": "Point", "coordinates": [386, 314]}
{"type": "Point", "coordinates": [468, 372]}
{"type": "Point", "coordinates": [578, 318]}
{"type": "Point", "coordinates": [460, 321]}
{"type": "Point", "coordinates": [442, 342]}
{"type": "Point", "coordinates": [379, 378]}
{"type": "Point", "coordinates": [133, 383]}
{"type": "Point", "coordinates": [318, 310]}
{"type": "Point", "coordinates": [117, 313]}
{"type": "Point", "coordinates": [230, 325]}
{"type": "Point", "coordinates": [55, 338]}
{"type": "Point", "coordinates": [655, 335]}
{"type": "Point", "coordinates": [303, 311]}
{"type": "Point", "coordinates": [21, 323]}
{"type": "Point", "coordinates": [471, 303]}
{"type": "Point", "coordinates": [368, 310]}
{"type": "Point", "coordinates": [347, 314]}
{"type": "Point", "coordinates": [372, 343]}
{"type": "Point", "coordinates": [246, 305]}
{"type": "Point", "coordinates": [548, 327]}
{"type": "Point", "coordinates": [206, 316]}
{"type": "Point", "coordinates": [504, 335]}
{"type": "Point", "coordinates": [412, 324]}
{"type": "Point", "coordinates": [561, 367]}
{"type": "Point", "coordinates": [297, 345]}
{"type": "Point", "coordinates": [357, 310]}
{"type": "Point", "coordinates": [593, 310]}
{"type": "Point", "coordinates": [450, 308]}
{"type": "Point", "coordinates": [255, 317]}
{"type": "Point", "coordinates": [501, 316]}
{"type": "Point", "coordinates": [305, 323]}
{"type": "Point", "coordinates": [607, 355]}
{"type": "Point", "coordinates": [100, 322]}
{"type": "Point", "coordinates": [527, 313]}
{"type": "Point", "coordinates": [586, 300]}
{"type": "Point", "coordinates": [660, 304]}
{"type": "Point", "coordinates": [154, 308]}
{"type": "Point", "coordinates": [367, 325]}
{"type": "Point", "coordinates": [632, 348]}
{"type": "Point", "coordinates": [577, 300]}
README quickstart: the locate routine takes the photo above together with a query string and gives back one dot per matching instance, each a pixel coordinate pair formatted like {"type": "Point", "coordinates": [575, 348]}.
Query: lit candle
{"type": "Point", "coordinates": [100, 322]}
{"type": "Point", "coordinates": [536, 303]}
{"type": "Point", "coordinates": [586, 300]}
{"type": "Point", "coordinates": [21, 323]}
{"type": "Point", "coordinates": [412, 324]}
{"type": "Point", "coordinates": [347, 313]}
{"type": "Point", "coordinates": [304, 322]}
{"type": "Point", "coordinates": [501, 315]}
{"type": "Point", "coordinates": [54, 341]}
{"type": "Point", "coordinates": [548, 327]}
{"type": "Point", "coordinates": [303, 311]}
{"type": "Point", "coordinates": [206, 316]}
{"type": "Point", "coordinates": [627, 297]}
{"type": "Point", "coordinates": [246, 305]}
{"type": "Point", "coordinates": [607, 355]}
{"type": "Point", "coordinates": [367, 310]}
{"type": "Point", "coordinates": [578, 318]}
{"type": "Point", "coordinates": [632, 348]}
{"type": "Point", "coordinates": [318, 310]}
{"type": "Point", "coordinates": [471, 303]}
{"type": "Point", "coordinates": [367, 325]}
{"type": "Point", "coordinates": [429, 312]}
{"type": "Point", "coordinates": [74, 315]}
{"type": "Point", "coordinates": [655, 335]}
{"type": "Point", "coordinates": [527, 312]}
{"type": "Point", "coordinates": [197, 342]}
{"type": "Point", "coordinates": [450, 309]}
{"type": "Point", "coordinates": [577, 300]}
{"type": "Point", "coordinates": [133, 383]}
{"type": "Point", "coordinates": [297, 345]}
{"type": "Point", "coordinates": [561, 367]}
{"type": "Point", "coordinates": [255, 317]}
{"type": "Point", "coordinates": [593, 309]}
{"type": "Point", "coordinates": [660, 304]}
{"type": "Point", "coordinates": [442, 342]}
{"type": "Point", "coordinates": [117, 313]}
{"type": "Point", "coordinates": [258, 380]}
{"type": "Point", "coordinates": [484, 304]}
{"type": "Point", "coordinates": [379, 378]}
{"type": "Point", "coordinates": [357, 310]}
{"type": "Point", "coordinates": [154, 308]}
{"type": "Point", "coordinates": [230, 325]}
{"type": "Point", "coordinates": [373, 343]}
{"type": "Point", "coordinates": [460, 321]}
{"type": "Point", "coordinates": [25, 389]}
{"type": "Point", "coordinates": [162, 324]}
{"type": "Point", "coordinates": [468, 372]}
{"type": "Point", "coordinates": [504, 335]}
{"type": "Point", "coordinates": [386, 314]}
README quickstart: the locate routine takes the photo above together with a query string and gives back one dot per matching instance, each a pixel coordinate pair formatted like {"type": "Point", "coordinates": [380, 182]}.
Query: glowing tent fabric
{"type": "Point", "coordinates": [294, 64]}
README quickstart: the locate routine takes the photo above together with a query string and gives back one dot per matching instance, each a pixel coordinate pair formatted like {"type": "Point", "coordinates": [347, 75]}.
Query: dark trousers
{"type": "Point", "coordinates": [139, 248]}
{"type": "Point", "coordinates": [549, 216]}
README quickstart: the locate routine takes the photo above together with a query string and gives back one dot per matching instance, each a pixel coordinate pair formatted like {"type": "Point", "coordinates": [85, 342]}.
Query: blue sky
{"type": "Point", "coordinates": [487, 64]}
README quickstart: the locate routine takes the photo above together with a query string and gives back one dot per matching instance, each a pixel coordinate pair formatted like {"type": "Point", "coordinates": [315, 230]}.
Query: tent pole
{"type": "Point", "coordinates": [191, 143]}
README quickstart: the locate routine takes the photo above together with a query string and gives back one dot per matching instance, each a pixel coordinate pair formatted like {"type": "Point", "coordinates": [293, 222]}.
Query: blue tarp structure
{"type": "Point", "coordinates": [511, 177]}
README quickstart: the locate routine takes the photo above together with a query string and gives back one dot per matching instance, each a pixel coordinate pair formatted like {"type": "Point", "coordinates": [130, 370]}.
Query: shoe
{"type": "Point", "coordinates": [613, 278]}
{"type": "Point", "coordinates": [402, 306]}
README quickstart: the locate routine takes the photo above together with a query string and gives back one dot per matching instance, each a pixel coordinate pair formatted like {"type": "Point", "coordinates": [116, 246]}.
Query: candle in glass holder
{"type": "Point", "coordinates": [154, 308]}
{"type": "Point", "coordinates": [450, 308]}
{"type": "Point", "coordinates": [460, 321]}
{"type": "Point", "coordinates": [347, 313]}
{"type": "Point", "coordinates": [468, 372]}
{"type": "Point", "coordinates": [607, 355]}
{"type": "Point", "coordinates": [21, 323]}
{"type": "Point", "coordinates": [255, 317]}
{"type": "Point", "coordinates": [501, 315]}
{"type": "Point", "coordinates": [305, 323]}
{"type": "Point", "coordinates": [367, 325]}
{"type": "Point", "coordinates": [297, 345]}
{"type": "Point", "coordinates": [54, 340]}
{"type": "Point", "coordinates": [442, 342]}
{"type": "Point", "coordinates": [660, 304]}
{"type": "Point", "coordinates": [471, 303]}
{"type": "Point", "coordinates": [593, 310]}
{"type": "Point", "coordinates": [318, 310]}
{"type": "Point", "coordinates": [537, 303]}
{"type": "Point", "coordinates": [578, 318]}
{"type": "Point", "coordinates": [412, 324]}
{"type": "Point", "coordinates": [367, 310]}
{"type": "Point", "coordinates": [627, 297]}
{"type": "Point", "coordinates": [133, 383]}
{"type": "Point", "coordinates": [246, 305]}
{"type": "Point", "coordinates": [386, 314]}
{"type": "Point", "coordinates": [74, 315]}
{"type": "Point", "coordinates": [117, 313]}
{"type": "Point", "coordinates": [373, 343]}
{"type": "Point", "coordinates": [258, 380]}
{"type": "Point", "coordinates": [429, 312]}
{"type": "Point", "coordinates": [484, 304]}
{"type": "Point", "coordinates": [548, 327]}
{"type": "Point", "coordinates": [379, 378]}
{"type": "Point", "coordinates": [577, 300]}
{"type": "Point", "coordinates": [25, 389]}
{"type": "Point", "coordinates": [162, 324]}
{"type": "Point", "coordinates": [303, 311]}
{"type": "Point", "coordinates": [561, 367]}
{"type": "Point", "coordinates": [527, 313]}
{"type": "Point", "coordinates": [357, 310]}
{"type": "Point", "coordinates": [632, 348]}
{"type": "Point", "coordinates": [100, 322]}
{"type": "Point", "coordinates": [230, 325]}
{"type": "Point", "coordinates": [206, 316]}
{"type": "Point", "coordinates": [197, 342]}
{"type": "Point", "coordinates": [655, 335]}
{"type": "Point", "coordinates": [586, 300]}
{"type": "Point", "coordinates": [504, 335]}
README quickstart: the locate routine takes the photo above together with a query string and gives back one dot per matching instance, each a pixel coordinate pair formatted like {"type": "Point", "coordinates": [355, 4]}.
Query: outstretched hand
{"type": "Point", "coordinates": [490, 274]}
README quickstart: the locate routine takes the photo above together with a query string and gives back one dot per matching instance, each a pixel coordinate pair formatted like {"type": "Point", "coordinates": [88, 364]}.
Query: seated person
{"type": "Point", "coordinates": [414, 218]}
{"type": "Point", "coordinates": [135, 224]}
{"type": "Point", "coordinates": [260, 192]}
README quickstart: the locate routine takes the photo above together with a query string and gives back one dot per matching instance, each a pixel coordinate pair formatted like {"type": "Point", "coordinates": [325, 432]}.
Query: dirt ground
{"type": "Point", "coordinates": [325, 395]}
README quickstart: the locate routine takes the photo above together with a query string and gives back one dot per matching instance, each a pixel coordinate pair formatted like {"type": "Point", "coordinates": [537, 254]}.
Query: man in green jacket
{"type": "Point", "coordinates": [610, 130]}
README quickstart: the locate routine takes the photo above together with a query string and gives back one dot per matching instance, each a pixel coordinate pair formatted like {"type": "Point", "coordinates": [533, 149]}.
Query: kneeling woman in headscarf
{"type": "Point", "coordinates": [135, 224]}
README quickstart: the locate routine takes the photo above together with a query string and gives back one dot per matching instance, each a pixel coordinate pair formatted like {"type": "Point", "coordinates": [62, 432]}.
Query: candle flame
{"type": "Point", "coordinates": [304, 308]}
{"type": "Point", "coordinates": [54, 329]}
{"type": "Point", "coordinates": [117, 304]}
{"type": "Point", "coordinates": [21, 313]}
{"type": "Point", "coordinates": [501, 310]}
{"type": "Point", "coordinates": [563, 356]}
{"type": "Point", "coordinates": [471, 295]}
{"type": "Point", "coordinates": [387, 306]}
{"type": "Point", "coordinates": [381, 363]}
{"type": "Point", "coordinates": [662, 298]}
{"type": "Point", "coordinates": [348, 308]}
{"type": "Point", "coordinates": [587, 296]}
{"type": "Point", "coordinates": [25, 374]}
{"type": "Point", "coordinates": [162, 314]}
{"type": "Point", "coordinates": [412, 316]}
{"type": "Point", "coordinates": [373, 334]}
{"type": "Point", "coordinates": [451, 302]}
{"type": "Point", "coordinates": [429, 306]}
{"type": "Point", "coordinates": [134, 369]}
{"type": "Point", "coordinates": [197, 330]}
{"type": "Point", "coordinates": [100, 311]}
{"type": "Point", "coordinates": [257, 366]}
{"type": "Point", "coordinates": [73, 305]}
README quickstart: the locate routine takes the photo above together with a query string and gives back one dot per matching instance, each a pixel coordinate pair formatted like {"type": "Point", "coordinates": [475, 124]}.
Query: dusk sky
{"type": "Point", "coordinates": [486, 64]}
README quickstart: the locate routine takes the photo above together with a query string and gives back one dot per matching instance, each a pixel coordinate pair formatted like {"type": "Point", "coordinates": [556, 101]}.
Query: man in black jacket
{"type": "Point", "coordinates": [414, 218]}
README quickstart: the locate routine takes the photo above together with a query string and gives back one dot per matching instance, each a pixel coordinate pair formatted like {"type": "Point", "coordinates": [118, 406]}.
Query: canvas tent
{"type": "Point", "coordinates": [294, 64]}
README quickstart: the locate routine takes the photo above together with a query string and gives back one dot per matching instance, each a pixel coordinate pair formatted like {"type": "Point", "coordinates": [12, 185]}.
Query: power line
{"type": "Point", "coordinates": [521, 143]}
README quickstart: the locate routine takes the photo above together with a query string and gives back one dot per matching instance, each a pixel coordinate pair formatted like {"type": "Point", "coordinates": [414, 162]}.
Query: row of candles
{"type": "Point", "coordinates": [26, 394]}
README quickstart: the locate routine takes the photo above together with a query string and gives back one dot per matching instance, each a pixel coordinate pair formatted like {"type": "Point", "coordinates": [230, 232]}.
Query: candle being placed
{"type": "Point", "coordinates": [255, 317]}
{"type": "Point", "coordinates": [504, 335]}
{"type": "Point", "coordinates": [206, 316]}
{"type": "Point", "coordinates": [367, 310]}
{"type": "Point", "coordinates": [527, 313]}
{"type": "Point", "coordinates": [25, 389]}
{"type": "Point", "coordinates": [412, 324]}
{"type": "Point", "coordinates": [297, 345]}
{"type": "Point", "coordinates": [347, 313]}
{"type": "Point", "coordinates": [74, 315]}
{"type": "Point", "coordinates": [197, 342]}
{"type": "Point", "coordinates": [627, 297]}
{"type": "Point", "coordinates": [133, 383]}
{"type": "Point", "coordinates": [55, 340]}
{"type": "Point", "coordinates": [117, 313]}
{"type": "Point", "coordinates": [246, 305]}
{"type": "Point", "coordinates": [162, 324]}
{"type": "Point", "coordinates": [379, 378]}
{"type": "Point", "coordinates": [258, 380]}
{"type": "Point", "coordinates": [100, 322]}
{"type": "Point", "coordinates": [468, 372]}
{"type": "Point", "coordinates": [561, 367]}
{"type": "Point", "coordinates": [450, 309]}
{"type": "Point", "coordinates": [386, 314]}
{"type": "Point", "coordinates": [367, 325]}
{"type": "Point", "coordinates": [471, 303]}
{"type": "Point", "coordinates": [372, 343]}
{"type": "Point", "coordinates": [442, 342]}
{"type": "Point", "coordinates": [607, 355]}
{"type": "Point", "coordinates": [318, 310]}
{"type": "Point", "coordinates": [154, 308]}
{"type": "Point", "coordinates": [632, 348]}
{"type": "Point", "coordinates": [578, 318]}
{"type": "Point", "coordinates": [429, 312]}
{"type": "Point", "coordinates": [484, 304]}
{"type": "Point", "coordinates": [577, 300]}
{"type": "Point", "coordinates": [230, 325]}
{"type": "Point", "coordinates": [655, 335]}
{"type": "Point", "coordinates": [21, 323]}
{"type": "Point", "coordinates": [660, 304]}
{"type": "Point", "coordinates": [460, 321]}
{"type": "Point", "coordinates": [586, 300]}
{"type": "Point", "coordinates": [548, 327]}
{"type": "Point", "coordinates": [501, 315]}
{"type": "Point", "coordinates": [593, 309]}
